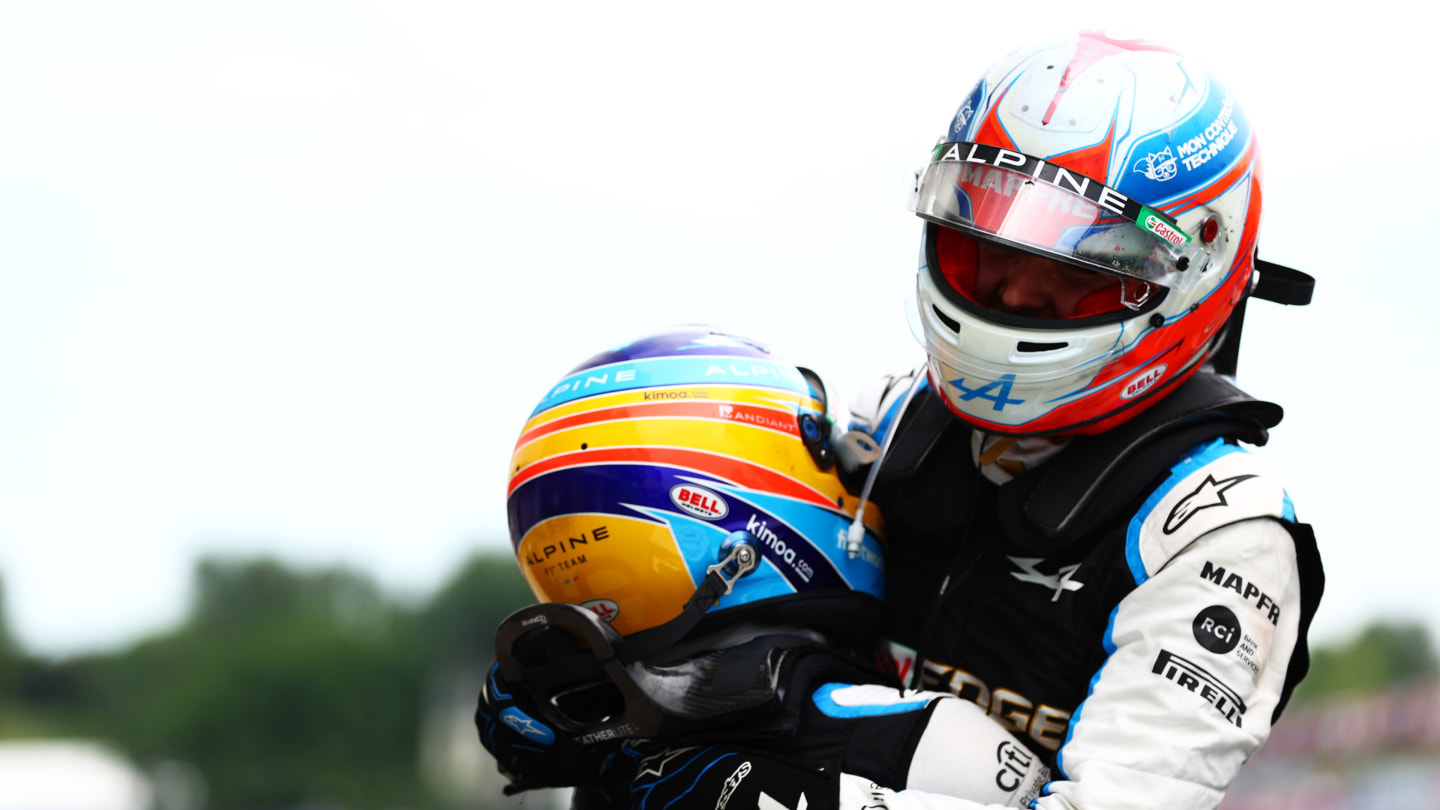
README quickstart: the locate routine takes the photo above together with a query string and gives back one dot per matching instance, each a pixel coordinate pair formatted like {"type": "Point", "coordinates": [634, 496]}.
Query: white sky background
{"type": "Point", "coordinates": [287, 277]}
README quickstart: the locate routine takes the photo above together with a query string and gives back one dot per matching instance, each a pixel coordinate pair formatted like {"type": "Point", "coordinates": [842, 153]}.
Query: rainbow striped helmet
{"type": "Point", "coordinates": [640, 468]}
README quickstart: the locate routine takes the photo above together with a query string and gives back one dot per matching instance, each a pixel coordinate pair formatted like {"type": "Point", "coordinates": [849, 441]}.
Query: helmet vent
{"type": "Point", "coordinates": [1027, 346]}
{"type": "Point", "coordinates": [946, 319]}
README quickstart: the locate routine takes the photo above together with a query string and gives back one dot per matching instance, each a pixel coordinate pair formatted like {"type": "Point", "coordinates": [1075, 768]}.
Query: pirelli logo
{"type": "Point", "coordinates": [1186, 673]}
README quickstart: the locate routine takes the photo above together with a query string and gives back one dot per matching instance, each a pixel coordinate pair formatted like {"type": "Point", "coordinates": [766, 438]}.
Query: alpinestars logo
{"type": "Point", "coordinates": [732, 783]}
{"type": "Point", "coordinates": [654, 765]}
{"type": "Point", "coordinates": [524, 726]}
{"type": "Point", "coordinates": [1060, 580]}
{"type": "Point", "coordinates": [1209, 493]}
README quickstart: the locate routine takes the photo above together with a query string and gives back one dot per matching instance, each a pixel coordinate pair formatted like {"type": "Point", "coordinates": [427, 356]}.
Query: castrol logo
{"type": "Point", "coordinates": [1139, 385]}
{"type": "Point", "coordinates": [699, 501]}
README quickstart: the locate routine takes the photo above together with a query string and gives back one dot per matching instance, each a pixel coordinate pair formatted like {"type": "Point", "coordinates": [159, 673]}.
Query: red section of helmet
{"type": "Point", "coordinates": [1124, 44]}
{"type": "Point", "coordinates": [1092, 161]}
{"type": "Point", "coordinates": [991, 131]}
{"type": "Point", "coordinates": [1088, 51]}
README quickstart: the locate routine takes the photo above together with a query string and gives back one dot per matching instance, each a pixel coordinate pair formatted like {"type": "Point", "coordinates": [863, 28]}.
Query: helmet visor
{"type": "Point", "coordinates": [1026, 203]}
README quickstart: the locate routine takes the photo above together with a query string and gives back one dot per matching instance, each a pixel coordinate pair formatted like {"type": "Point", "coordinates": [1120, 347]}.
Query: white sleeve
{"type": "Point", "coordinates": [875, 405]}
{"type": "Point", "coordinates": [1198, 655]}
{"type": "Point", "coordinates": [1198, 651]}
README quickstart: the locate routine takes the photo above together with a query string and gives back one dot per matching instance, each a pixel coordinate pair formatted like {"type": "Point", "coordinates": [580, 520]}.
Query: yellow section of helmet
{"type": "Point", "coordinates": [691, 393]}
{"type": "Point", "coordinates": [628, 571]}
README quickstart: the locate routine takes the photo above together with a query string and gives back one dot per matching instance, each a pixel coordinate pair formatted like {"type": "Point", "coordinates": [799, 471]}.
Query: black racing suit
{"type": "Point", "coordinates": [1141, 637]}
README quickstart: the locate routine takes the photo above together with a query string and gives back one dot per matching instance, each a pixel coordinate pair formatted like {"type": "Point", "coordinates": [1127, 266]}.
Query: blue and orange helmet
{"type": "Point", "coordinates": [642, 467]}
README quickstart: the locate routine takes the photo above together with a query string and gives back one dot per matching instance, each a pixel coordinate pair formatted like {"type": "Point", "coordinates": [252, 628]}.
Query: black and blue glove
{"type": "Point", "coordinates": [530, 753]}
{"type": "Point", "coordinates": [708, 777]}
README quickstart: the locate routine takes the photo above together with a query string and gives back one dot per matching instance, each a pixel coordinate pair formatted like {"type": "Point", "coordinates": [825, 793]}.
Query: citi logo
{"type": "Point", "coordinates": [698, 501]}
{"type": "Point", "coordinates": [1142, 383]}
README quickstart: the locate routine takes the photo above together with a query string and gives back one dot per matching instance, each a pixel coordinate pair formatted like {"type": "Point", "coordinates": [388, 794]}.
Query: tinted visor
{"type": "Point", "coordinates": [983, 275]}
{"type": "Point", "coordinates": [1037, 207]}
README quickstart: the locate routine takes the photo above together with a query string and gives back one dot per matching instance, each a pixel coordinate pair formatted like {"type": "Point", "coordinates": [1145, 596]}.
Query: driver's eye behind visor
{"type": "Point", "coordinates": [1074, 292]}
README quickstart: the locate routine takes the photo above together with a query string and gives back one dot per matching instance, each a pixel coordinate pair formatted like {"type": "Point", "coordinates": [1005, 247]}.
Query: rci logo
{"type": "Point", "coordinates": [1142, 383]}
{"type": "Point", "coordinates": [698, 501]}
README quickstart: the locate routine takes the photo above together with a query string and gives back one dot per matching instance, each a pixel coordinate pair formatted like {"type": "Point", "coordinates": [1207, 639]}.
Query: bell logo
{"type": "Point", "coordinates": [700, 502]}
{"type": "Point", "coordinates": [1142, 383]}
{"type": "Point", "coordinates": [604, 608]}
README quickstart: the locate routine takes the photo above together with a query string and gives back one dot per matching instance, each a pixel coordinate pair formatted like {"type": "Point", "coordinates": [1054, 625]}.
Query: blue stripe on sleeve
{"type": "Point", "coordinates": [1197, 457]}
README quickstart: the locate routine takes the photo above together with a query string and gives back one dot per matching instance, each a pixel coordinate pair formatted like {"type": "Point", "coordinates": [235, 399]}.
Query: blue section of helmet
{"type": "Point", "coordinates": [594, 489]}
{"type": "Point", "coordinates": [962, 124]}
{"type": "Point", "coordinates": [699, 340]}
{"type": "Point", "coordinates": [1191, 154]}
{"type": "Point", "coordinates": [703, 544]}
{"type": "Point", "coordinates": [701, 369]}
{"type": "Point", "coordinates": [817, 538]}
{"type": "Point", "coordinates": [963, 207]}
{"type": "Point", "coordinates": [526, 726]}
{"type": "Point", "coordinates": [644, 490]}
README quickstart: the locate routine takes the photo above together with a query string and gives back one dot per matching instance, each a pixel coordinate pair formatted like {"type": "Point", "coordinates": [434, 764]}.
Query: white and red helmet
{"type": "Point", "coordinates": [1118, 157]}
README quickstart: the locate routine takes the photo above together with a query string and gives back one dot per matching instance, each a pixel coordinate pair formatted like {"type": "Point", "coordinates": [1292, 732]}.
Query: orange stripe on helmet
{"type": "Point", "coordinates": [772, 418]}
{"type": "Point", "coordinates": [734, 470]}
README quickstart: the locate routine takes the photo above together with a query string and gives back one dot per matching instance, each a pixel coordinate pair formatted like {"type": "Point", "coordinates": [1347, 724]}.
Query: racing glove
{"type": "Point", "coordinates": [530, 753]}
{"type": "Point", "coordinates": [709, 777]}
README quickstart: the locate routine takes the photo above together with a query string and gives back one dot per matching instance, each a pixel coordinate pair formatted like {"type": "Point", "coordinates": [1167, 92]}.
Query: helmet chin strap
{"type": "Point", "coordinates": [719, 581]}
{"type": "Point", "coordinates": [855, 534]}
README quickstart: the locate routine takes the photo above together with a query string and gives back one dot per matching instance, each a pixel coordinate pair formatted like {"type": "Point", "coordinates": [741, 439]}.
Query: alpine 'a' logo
{"type": "Point", "coordinates": [1060, 580]}
{"type": "Point", "coordinates": [1209, 493]}
{"type": "Point", "coordinates": [698, 501]}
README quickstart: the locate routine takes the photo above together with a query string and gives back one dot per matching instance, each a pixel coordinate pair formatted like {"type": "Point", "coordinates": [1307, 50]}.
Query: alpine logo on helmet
{"type": "Point", "coordinates": [1122, 176]}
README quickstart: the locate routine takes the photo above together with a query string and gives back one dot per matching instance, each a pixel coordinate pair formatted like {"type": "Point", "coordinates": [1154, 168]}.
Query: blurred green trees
{"type": "Point", "coordinates": [1383, 655]}
{"type": "Point", "coordinates": [282, 686]}
{"type": "Point", "coordinates": [287, 687]}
